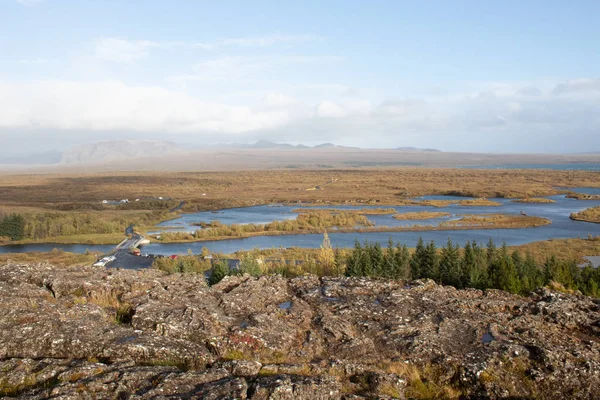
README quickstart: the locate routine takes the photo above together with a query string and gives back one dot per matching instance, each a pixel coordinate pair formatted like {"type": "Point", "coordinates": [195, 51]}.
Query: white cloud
{"type": "Point", "coordinates": [112, 105]}
{"type": "Point", "coordinates": [578, 86]}
{"type": "Point", "coordinates": [457, 121]}
{"type": "Point", "coordinates": [121, 50]}
{"type": "Point", "coordinates": [329, 109]}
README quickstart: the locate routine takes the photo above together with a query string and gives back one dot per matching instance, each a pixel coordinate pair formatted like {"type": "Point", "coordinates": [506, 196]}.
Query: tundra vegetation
{"type": "Point", "coordinates": [470, 266]}
{"type": "Point", "coordinates": [587, 215]}
{"type": "Point", "coordinates": [421, 215]}
{"type": "Point", "coordinates": [534, 200]}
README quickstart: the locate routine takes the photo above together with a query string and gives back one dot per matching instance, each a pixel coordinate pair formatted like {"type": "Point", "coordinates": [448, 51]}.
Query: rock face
{"type": "Point", "coordinates": [117, 150]}
{"type": "Point", "coordinates": [79, 333]}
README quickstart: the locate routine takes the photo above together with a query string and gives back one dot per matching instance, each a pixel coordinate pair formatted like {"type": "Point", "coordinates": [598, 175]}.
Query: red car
{"type": "Point", "coordinates": [173, 257]}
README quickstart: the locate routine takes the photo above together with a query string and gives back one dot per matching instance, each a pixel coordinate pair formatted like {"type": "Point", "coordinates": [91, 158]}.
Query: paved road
{"type": "Point", "coordinates": [123, 257]}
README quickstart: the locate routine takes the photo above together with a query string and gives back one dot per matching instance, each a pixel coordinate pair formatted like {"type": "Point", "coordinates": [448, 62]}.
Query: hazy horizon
{"type": "Point", "coordinates": [465, 76]}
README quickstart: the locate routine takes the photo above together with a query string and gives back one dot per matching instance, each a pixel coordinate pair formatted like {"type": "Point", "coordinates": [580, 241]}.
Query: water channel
{"type": "Point", "coordinates": [562, 227]}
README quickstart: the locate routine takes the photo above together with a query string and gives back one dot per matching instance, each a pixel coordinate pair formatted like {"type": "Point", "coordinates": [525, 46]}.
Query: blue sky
{"type": "Point", "coordinates": [495, 76]}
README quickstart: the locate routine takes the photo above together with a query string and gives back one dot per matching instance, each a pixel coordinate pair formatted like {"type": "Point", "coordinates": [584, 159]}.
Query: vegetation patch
{"type": "Point", "coordinates": [534, 200]}
{"type": "Point", "coordinates": [481, 202]}
{"type": "Point", "coordinates": [421, 215]}
{"type": "Point", "coordinates": [587, 215]}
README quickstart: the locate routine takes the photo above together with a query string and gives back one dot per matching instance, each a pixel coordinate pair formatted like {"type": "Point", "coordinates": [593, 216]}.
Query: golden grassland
{"type": "Point", "coordinates": [534, 200]}
{"type": "Point", "coordinates": [563, 249]}
{"type": "Point", "coordinates": [496, 220]}
{"type": "Point", "coordinates": [55, 257]}
{"type": "Point", "coordinates": [587, 215]}
{"type": "Point", "coordinates": [481, 202]}
{"type": "Point", "coordinates": [244, 188]}
{"type": "Point", "coordinates": [421, 215]}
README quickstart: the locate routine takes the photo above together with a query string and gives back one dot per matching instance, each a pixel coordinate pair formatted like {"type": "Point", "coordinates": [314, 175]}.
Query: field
{"type": "Point", "coordinates": [213, 190]}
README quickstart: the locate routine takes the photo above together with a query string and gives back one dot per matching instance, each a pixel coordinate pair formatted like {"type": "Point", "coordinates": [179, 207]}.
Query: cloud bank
{"type": "Point", "coordinates": [568, 108]}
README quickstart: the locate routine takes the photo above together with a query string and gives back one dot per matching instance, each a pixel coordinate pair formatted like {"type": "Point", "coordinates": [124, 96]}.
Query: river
{"type": "Point", "coordinates": [562, 227]}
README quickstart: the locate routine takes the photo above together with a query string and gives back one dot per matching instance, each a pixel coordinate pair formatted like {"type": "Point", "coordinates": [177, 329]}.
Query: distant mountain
{"type": "Point", "coordinates": [416, 149]}
{"type": "Point", "coordinates": [323, 145]}
{"type": "Point", "coordinates": [48, 157]}
{"type": "Point", "coordinates": [117, 150]}
{"type": "Point", "coordinates": [268, 144]}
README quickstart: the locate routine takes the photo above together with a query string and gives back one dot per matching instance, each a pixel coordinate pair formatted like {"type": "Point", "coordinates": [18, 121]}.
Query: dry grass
{"type": "Point", "coordinates": [421, 215]}
{"type": "Point", "coordinates": [243, 188]}
{"type": "Point", "coordinates": [56, 257]}
{"type": "Point", "coordinates": [481, 202]}
{"type": "Point", "coordinates": [587, 215]}
{"type": "Point", "coordinates": [534, 200]}
{"type": "Point", "coordinates": [496, 221]}
{"type": "Point", "coordinates": [563, 249]}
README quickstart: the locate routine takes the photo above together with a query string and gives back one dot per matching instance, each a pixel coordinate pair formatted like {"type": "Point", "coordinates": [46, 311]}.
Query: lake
{"type": "Point", "coordinates": [562, 227]}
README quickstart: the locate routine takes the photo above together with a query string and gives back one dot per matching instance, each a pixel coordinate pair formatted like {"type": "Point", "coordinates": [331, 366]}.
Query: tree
{"type": "Point", "coordinates": [418, 259]}
{"type": "Point", "coordinates": [353, 266]}
{"type": "Point", "coordinates": [431, 266]}
{"type": "Point", "coordinates": [450, 265]}
{"type": "Point", "coordinates": [389, 264]}
{"type": "Point", "coordinates": [219, 271]}
{"type": "Point", "coordinates": [402, 262]}
{"type": "Point", "coordinates": [326, 255]}
{"type": "Point", "coordinates": [503, 273]}
{"type": "Point", "coordinates": [377, 259]}
{"type": "Point", "coordinates": [365, 260]}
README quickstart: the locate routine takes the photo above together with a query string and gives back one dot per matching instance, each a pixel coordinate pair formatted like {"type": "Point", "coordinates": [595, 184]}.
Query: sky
{"type": "Point", "coordinates": [485, 76]}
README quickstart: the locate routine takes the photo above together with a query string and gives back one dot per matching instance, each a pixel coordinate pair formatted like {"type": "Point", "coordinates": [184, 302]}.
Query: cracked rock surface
{"type": "Point", "coordinates": [84, 332]}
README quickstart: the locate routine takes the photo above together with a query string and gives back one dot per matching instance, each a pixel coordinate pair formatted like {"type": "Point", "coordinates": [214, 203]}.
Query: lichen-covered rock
{"type": "Point", "coordinates": [85, 332]}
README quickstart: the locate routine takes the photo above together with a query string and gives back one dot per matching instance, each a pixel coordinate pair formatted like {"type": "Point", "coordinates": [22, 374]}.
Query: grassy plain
{"type": "Point", "coordinates": [245, 188]}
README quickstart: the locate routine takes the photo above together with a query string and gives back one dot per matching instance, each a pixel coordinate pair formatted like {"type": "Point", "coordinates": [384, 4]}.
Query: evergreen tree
{"type": "Point", "coordinates": [504, 275]}
{"type": "Point", "coordinates": [431, 263]}
{"type": "Point", "coordinates": [450, 265]}
{"type": "Point", "coordinates": [551, 270]}
{"type": "Point", "coordinates": [402, 262]}
{"type": "Point", "coordinates": [220, 271]}
{"type": "Point", "coordinates": [389, 266]}
{"type": "Point", "coordinates": [479, 277]}
{"type": "Point", "coordinates": [418, 259]}
{"type": "Point", "coordinates": [377, 259]}
{"type": "Point", "coordinates": [491, 251]}
{"type": "Point", "coordinates": [365, 260]}
{"type": "Point", "coordinates": [353, 266]}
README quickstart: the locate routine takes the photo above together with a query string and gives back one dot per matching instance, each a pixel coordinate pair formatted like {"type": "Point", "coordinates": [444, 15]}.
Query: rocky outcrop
{"type": "Point", "coordinates": [94, 333]}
